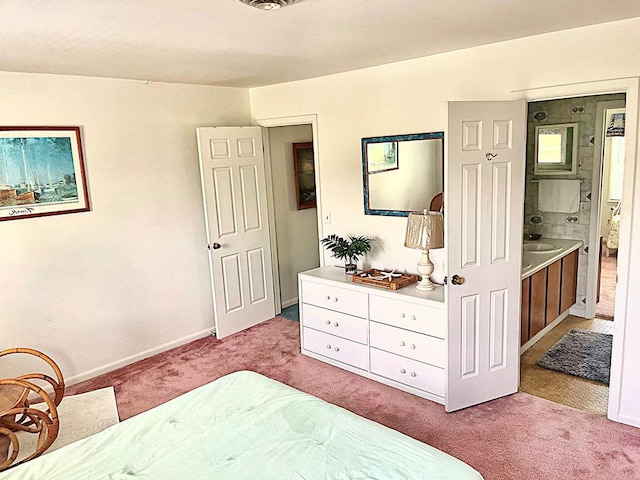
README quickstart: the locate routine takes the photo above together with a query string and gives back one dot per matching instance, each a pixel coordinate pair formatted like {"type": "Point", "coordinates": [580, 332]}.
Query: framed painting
{"type": "Point", "coordinates": [304, 175]}
{"type": "Point", "coordinates": [41, 172]}
{"type": "Point", "coordinates": [382, 157]}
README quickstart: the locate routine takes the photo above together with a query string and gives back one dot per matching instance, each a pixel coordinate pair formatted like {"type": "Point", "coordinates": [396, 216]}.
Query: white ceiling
{"type": "Point", "coordinates": [226, 43]}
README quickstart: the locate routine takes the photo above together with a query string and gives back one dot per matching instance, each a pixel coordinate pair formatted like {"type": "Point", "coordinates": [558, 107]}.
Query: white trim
{"type": "Point", "coordinates": [290, 302]}
{"type": "Point", "coordinates": [630, 86]}
{"type": "Point", "coordinates": [311, 119]}
{"type": "Point", "coordinates": [271, 212]}
{"type": "Point", "coordinates": [596, 208]}
{"type": "Point", "coordinates": [629, 420]}
{"type": "Point", "coordinates": [533, 340]}
{"type": "Point", "coordinates": [109, 367]}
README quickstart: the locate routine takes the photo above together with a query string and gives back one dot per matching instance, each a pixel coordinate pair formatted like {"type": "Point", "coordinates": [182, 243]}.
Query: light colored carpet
{"type": "Point", "coordinates": [80, 416]}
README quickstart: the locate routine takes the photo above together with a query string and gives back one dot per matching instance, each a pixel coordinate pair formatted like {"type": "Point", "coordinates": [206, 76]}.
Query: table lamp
{"type": "Point", "coordinates": [425, 230]}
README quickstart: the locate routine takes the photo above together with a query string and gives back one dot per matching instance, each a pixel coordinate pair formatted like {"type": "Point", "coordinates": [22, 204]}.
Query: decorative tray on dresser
{"type": "Point", "coordinates": [396, 337]}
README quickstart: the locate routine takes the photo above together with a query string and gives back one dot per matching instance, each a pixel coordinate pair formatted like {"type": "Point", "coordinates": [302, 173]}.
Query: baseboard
{"type": "Point", "coordinates": [628, 420]}
{"type": "Point", "coordinates": [134, 358]}
{"type": "Point", "coordinates": [288, 303]}
{"type": "Point", "coordinates": [578, 311]}
{"type": "Point", "coordinates": [533, 340]}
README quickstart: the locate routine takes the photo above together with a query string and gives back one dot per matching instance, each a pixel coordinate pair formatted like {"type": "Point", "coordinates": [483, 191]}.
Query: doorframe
{"type": "Point", "coordinates": [266, 123]}
{"type": "Point", "coordinates": [629, 86]}
{"type": "Point", "coordinates": [596, 215]}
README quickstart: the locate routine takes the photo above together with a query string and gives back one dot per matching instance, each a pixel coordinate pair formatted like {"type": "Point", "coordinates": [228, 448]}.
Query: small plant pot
{"type": "Point", "coordinates": [350, 268]}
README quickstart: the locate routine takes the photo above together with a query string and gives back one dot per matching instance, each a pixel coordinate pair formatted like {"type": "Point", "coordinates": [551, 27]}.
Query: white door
{"type": "Point", "coordinates": [237, 221]}
{"type": "Point", "coordinates": [484, 221]}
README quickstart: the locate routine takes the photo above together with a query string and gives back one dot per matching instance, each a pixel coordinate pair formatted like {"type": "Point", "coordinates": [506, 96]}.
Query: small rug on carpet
{"type": "Point", "coordinates": [291, 312]}
{"type": "Point", "coordinates": [80, 416]}
{"type": "Point", "coordinates": [581, 353]}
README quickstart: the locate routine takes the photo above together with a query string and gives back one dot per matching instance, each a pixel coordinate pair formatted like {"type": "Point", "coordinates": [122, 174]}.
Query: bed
{"type": "Point", "coordinates": [245, 426]}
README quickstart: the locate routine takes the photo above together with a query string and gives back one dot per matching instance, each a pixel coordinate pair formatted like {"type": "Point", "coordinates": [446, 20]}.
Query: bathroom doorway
{"type": "Point", "coordinates": [579, 224]}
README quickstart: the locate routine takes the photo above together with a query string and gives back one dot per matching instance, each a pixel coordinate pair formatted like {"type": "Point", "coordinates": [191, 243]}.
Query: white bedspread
{"type": "Point", "coordinates": [245, 426]}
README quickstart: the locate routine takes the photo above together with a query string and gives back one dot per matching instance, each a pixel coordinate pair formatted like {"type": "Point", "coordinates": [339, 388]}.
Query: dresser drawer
{"type": "Point", "coordinates": [340, 349]}
{"type": "Point", "coordinates": [335, 298]}
{"type": "Point", "coordinates": [335, 323]}
{"type": "Point", "coordinates": [417, 346]}
{"type": "Point", "coordinates": [410, 316]}
{"type": "Point", "coordinates": [410, 372]}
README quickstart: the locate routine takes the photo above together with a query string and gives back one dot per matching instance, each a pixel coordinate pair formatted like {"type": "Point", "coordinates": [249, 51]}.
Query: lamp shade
{"type": "Point", "coordinates": [425, 230]}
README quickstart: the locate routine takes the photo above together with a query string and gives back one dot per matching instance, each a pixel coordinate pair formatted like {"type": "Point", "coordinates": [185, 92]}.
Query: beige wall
{"type": "Point", "coordinates": [296, 230]}
{"type": "Point", "coordinates": [98, 289]}
{"type": "Point", "coordinates": [411, 96]}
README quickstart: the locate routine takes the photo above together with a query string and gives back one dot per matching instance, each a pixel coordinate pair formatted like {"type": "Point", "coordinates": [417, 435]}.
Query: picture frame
{"type": "Point", "coordinates": [304, 175]}
{"type": "Point", "coordinates": [382, 157]}
{"type": "Point", "coordinates": [42, 172]}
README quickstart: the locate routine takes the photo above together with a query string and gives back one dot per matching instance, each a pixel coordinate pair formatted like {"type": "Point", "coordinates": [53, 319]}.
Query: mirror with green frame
{"type": "Point", "coordinates": [402, 173]}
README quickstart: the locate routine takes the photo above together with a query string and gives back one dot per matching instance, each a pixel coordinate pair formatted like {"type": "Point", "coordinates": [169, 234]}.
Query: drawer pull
{"type": "Point", "coordinates": [335, 299]}
{"type": "Point", "coordinates": [328, 322]}
{"type": "Point", "coordinates": [337, 349]}
{"type": "Point", "coordinates": [403, 371]}
{"type": "Point", "coordinates": [413, 317]}
{"type": "Point", "coordinates": [328, 347]}
{"type": "Point", "coordinates": [336, 324]}
{"type": "Point", "coordinates": [402, 315]}
{"type": "Point", "coordinates": [327, 297]}
{"type": "Point", "coordinates": [412, 346]}
{"type": "Point", "coordinates": [402, 344]}
{"type": "Point", "coordinates": [413, 374]}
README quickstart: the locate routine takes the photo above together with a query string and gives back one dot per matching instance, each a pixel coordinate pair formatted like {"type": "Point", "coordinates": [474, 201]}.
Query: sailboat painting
{"type": "Point", "coordinates": [41, 172]}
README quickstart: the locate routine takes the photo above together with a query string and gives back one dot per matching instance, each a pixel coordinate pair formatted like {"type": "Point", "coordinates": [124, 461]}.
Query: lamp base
{"type": "Point", "coordinates": [425, 268]}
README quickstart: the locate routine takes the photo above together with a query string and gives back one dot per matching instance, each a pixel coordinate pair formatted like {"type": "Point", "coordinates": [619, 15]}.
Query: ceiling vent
{"type": "Point", "coordinates": [268, 4]}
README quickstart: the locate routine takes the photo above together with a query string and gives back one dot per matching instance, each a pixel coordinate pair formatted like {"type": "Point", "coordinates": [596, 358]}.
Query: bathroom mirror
{"type": "Point", "coordinates": [401, 173]}
{"type": "Point", "coordinates": [556, 149]}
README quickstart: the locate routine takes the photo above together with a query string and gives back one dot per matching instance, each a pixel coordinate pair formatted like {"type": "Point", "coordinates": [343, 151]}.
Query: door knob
{"type": "Point", "coordinates": [457, 280]}
{"type": "Point", "coordinates": [215, 245]}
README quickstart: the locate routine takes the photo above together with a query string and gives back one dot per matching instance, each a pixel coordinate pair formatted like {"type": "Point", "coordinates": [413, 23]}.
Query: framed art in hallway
{"type": "Point", "coordinates": [304, 175]}
{"type": "Point", "coordinates": [41, 172]}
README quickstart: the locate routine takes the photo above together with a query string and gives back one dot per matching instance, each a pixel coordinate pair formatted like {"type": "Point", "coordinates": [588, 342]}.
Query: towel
{"type": "Point", "coordinates": [559, 196]}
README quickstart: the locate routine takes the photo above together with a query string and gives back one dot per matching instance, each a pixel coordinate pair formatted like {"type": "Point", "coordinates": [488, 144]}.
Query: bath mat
{"type": "Point", "coordinates": [80, 416]}
{"type": "Point", "coordinates": [581, 353]}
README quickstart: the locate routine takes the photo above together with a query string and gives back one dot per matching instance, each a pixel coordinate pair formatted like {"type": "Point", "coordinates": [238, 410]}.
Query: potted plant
{"type": "Point", "coordinates": [349, 250]}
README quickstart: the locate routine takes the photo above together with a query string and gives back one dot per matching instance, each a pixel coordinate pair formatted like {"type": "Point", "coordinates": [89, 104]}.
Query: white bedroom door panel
{"type": "Point", "coordinates": [484, 214]}
{"type": "Point", "coordinates": [235, 201]}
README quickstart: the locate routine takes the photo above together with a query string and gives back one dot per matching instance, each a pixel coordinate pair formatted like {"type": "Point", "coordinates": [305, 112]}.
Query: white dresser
{"type": "Point", "coordinates": [394, 337]}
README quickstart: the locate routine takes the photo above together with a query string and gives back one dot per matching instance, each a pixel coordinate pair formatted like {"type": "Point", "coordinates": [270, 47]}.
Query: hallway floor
{"type": "Point", "coordinates": [558, 387]}
{"type": "Point", "coordinates": [605, 307]}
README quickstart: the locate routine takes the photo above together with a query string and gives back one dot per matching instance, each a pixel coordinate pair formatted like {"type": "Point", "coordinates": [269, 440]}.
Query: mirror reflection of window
{"type": "Point", "coordinates": [550, 148]}
{"type": "Point", "coordinates": [556, 149]}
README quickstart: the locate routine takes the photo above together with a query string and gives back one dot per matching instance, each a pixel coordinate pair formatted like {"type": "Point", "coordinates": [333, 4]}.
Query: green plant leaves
{"type": "Point", "coordinates": [348, 250]}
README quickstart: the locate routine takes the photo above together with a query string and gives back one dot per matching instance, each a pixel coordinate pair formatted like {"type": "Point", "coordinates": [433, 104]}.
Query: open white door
{"type": "Point", "coordinates": [484, 205]}
{"type": "Point", "coordinates": [237, 221]}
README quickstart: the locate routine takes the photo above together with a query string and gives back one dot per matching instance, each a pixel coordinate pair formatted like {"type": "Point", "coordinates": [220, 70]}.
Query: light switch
{"type": "Point", "coordinates": [326, 217]}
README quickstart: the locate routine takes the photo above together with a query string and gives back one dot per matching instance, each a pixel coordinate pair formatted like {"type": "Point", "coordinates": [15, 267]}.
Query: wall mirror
{"type": "Point", "coordinates": [556, 149]}
{"type": "Point", "coordinates": [401, 173]}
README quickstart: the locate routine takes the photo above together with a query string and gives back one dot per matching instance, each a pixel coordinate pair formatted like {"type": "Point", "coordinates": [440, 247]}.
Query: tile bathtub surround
{"type": "Point", "coordinates": [555, 225]}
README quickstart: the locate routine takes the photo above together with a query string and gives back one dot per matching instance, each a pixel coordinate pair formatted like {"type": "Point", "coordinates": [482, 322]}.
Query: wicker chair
{"type": "Point", "coordinates": [18, 396]}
